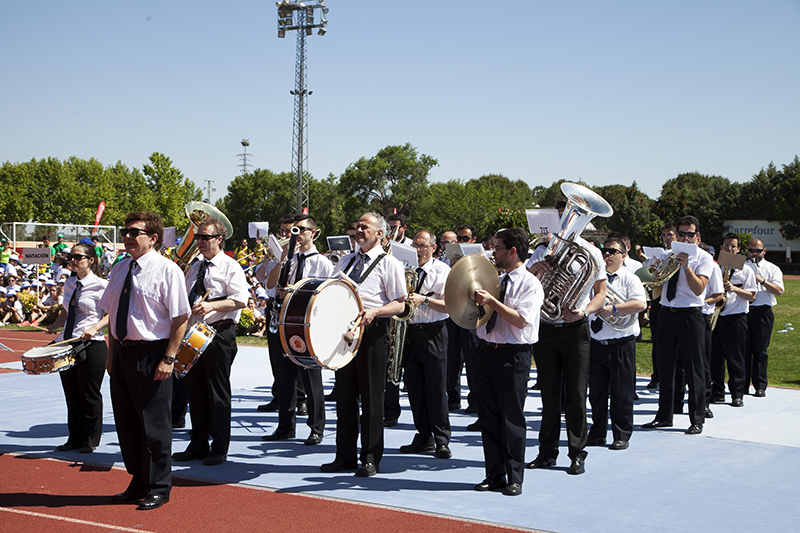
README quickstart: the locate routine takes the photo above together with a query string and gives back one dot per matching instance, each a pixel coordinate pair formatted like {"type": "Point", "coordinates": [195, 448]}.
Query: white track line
{"type": "Point", "coordinates": [74, 520]}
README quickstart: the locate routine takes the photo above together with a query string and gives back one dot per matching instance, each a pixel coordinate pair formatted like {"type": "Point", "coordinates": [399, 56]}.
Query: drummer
{"type": "Point", "coordinates": [306, 263]}
{"type": "Point", "coordinates": [209, 381]}
{"type": "Point", "coordinates": [83, 318]}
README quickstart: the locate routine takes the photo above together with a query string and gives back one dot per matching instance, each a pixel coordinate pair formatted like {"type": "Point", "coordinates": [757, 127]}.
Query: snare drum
{"type": "Point", "coordinates": [194, 344]}
{"type": "Point", "coordinates": [48, 359]}
{"type": "Point", "coordinates": [315, 316]}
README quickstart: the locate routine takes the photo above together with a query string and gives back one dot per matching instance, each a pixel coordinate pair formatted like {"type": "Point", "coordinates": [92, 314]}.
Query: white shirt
{"type": "Point", "coordinates": [630, 287]}
{"type": "Point", "coordinates": [436, 273]}
{"type": "Point", "coordinates": [631, 264]}
{"type": "Point", "coordinates": [771, 273]}
{"type": "Point", "coordinates": [89, 310]}
{"type": "Point", "coordinates": [525, 295]}
{"type": "Point", "coordinates": [703, 265]}
{"type": "Point", "coordinates": [158, 296]}
{"type": "Point", "coordinates": [50, 301]}
{"type": "Point", "coordinates": [269, 267]}
{"type": "Point", "coordinates": [315, 266]}
{"type": "Point", "coordinates": [714, 286]}
{"type": "Point", "coordinates": [224, 279]}
{"type": "Point", "coordinates": [386, 282]}
{"type": "Point", "coordinates": [735, 304]}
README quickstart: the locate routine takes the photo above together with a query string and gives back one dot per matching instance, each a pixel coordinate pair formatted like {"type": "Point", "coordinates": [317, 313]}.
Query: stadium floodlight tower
{"type": "Point", "coordinates": [299, 15]}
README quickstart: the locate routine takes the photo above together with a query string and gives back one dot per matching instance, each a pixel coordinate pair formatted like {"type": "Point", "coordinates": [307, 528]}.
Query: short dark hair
{"type": "Point", "coordinates": [152, 223]}
{"type": "Point", "coordinates": [301, 218]}
{"type": "Point", "coordinates": [515, 238]}
{"type": "Point", "coordinates": [732, 236]}
{"type": "Point", "coordinates": [469, 227]}
{"type": "Point", "coordinates": [688, 220]}
{"type": "Point", "coordinates": [668, 226]}
{"type": "Point", "coordinates": [352, 225]}
{"type": "Point", "coordinates": [621, 236]}
{"type": "Point", "coordinates": [561, 204]}
{"type": "Point", "coordinates": [615, 240]}
{"type": "Point", "coordinates": [397, 216]}
{"type": "Point", "coordinates": [286, 219]}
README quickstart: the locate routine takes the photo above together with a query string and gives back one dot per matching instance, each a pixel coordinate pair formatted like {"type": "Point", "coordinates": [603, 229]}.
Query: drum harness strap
{"type": "Point", "coordinates": [369, 269]}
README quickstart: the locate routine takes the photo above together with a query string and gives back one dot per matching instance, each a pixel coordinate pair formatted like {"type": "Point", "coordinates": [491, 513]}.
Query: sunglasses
{"type": "Point", "coordinates": [667, 235]}
{"type": "Point", "coordinates": [463, 238]}
{"type": "Point", "coordinates": [611, 251]}
{"type": "Point", "coordinates": [134, 232]}
{"type": "Point", "coordinates": [201, 237]}
{"type": "Point", "coordinates": [755, 250]}
{"type": "Point", "coordinates": [76, 257]}
{"type": "Point", "coordinates": [689, 234]}
{"type": "Point", "coordinates": [303, 228]}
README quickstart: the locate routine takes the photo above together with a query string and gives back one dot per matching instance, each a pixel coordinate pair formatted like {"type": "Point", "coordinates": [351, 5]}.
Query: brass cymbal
{"type": "Point", "coordinates": [471, 273]}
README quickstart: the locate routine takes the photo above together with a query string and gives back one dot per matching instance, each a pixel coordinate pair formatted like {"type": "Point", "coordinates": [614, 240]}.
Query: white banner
{"type": "Point", "coordinates": [36, 256]}
{"type": "Point", "coordinates": [769, 232]}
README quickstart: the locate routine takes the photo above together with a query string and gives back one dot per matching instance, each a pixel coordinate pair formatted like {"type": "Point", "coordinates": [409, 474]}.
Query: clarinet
{"type": "Point", "coordinates": [275, 313]}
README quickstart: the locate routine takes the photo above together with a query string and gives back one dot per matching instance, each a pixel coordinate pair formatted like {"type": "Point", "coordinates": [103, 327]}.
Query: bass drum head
{"type": "Point", "coordinates": [330, 314]}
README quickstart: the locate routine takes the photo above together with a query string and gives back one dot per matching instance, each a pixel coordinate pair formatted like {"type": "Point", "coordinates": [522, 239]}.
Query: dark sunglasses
{"type": "Point", "coordinates": [134, 232]}
{"type": "Point", "coordinates": [755, 250]}
{"type": "Point", "coordinates": [303, 228]}
{"type": "Point", "coordinates": [689, 234]}
{"type": "Point", "coordinates": [463, 238]}
{"type": "Point", "coordinates": [201, 237]}
{"type": "Point", "coordinates": [611, 251]}
{"type": "Point", "coordinates": [76, 257]}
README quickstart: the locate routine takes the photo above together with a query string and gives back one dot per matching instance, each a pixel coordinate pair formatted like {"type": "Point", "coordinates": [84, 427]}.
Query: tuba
{"type": "Point", "coordinates": [574, 268]}
{"type": "Point", "coordinates": [185, 253]}
{"type": "Point", "coordinates": [397, 335]}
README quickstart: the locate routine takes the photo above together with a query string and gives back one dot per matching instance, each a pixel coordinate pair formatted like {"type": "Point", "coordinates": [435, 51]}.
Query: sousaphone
{"type": "Point", "coordinates": [471, 273]}
{"type": "Point", "coordinates": [184, 253]}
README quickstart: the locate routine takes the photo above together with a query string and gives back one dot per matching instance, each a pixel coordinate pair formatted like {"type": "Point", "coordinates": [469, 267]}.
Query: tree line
{"type": "Point", "coordinates": [396, 178]}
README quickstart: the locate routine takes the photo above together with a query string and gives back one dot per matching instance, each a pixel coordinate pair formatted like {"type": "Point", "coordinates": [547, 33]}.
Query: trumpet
{"type": "Point", "coordinates": [268, 255]}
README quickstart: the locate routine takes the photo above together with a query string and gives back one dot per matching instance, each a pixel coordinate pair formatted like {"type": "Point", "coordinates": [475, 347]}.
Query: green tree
{"type": "Point", "coordinates": [17, 192]}
{"type": "Point", "coordinates": [171, 191]}
{"type": "Point", "coordinates": [632, 210]}
{"type": "Point", "coordinates": [788, 199]}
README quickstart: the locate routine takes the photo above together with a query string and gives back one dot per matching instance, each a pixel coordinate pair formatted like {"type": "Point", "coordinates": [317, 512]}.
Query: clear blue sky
{"type": "Point", "coordinates": [603, 91]}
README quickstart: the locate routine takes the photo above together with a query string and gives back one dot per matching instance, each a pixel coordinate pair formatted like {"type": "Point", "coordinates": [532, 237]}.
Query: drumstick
{"type": "Point", "coordinates": [350, 335]}
{"type": "Point", "coordinates": [65, 341]}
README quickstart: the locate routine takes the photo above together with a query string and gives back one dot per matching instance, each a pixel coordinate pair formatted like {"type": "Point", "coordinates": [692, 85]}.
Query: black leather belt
{"type": "Point", "coordinates": [128, 343]}
{"type": "Point", "coordinates": [498, 346]}
{"type": "Point", "coordinates": [426, 325]}
{"type": "Point", "coordinates": [612, 342]}
{"type": "Point", "coordinates": [679, 309]}
{"type": "Point", "coordinates": [219, 324]}
{"type": "Point", "coordinates": [566, 324]}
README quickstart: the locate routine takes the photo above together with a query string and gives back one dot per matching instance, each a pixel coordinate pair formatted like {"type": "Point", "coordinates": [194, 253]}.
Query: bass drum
{"type": "Point", "coordinates": [316, 315]}
{"type": "Point", "coordinates": [48, 359]}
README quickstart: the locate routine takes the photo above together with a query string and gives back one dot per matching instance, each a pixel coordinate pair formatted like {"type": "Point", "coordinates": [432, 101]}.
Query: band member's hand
{"type": "Point", "coordinates": [163, 371]}
{"type": "Point", "coordinates": [483, 297]}
{"type": "Point", "coordinates": [51, 329]}
{"type": "Point", "coordinates": [88, 334]}
{"type": "Point", "coordinates": [416, 299]}
{"type": "Point", "coordinates": [683, 259]}
{"type": "Point", "coordinates": [201, 309]}
{"type": "Point", "coordinates": [281, 292]}
{"type": "Point", "coordinates": [605, 311]}
{"type": "Point", "coordinates": [367, 316]}
{"type": "Point", "coordinates": [454, 260]}
{"type": "Point", "coordinates": [573, 315]}
{"type": "Point", "coordinates": [728, 286]}
{"type": "Point", "coordinates": [540, 268]}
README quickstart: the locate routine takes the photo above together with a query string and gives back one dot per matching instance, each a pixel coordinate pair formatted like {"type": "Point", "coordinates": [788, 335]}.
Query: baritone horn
{"type": "Point", "coordinates": [184, 253]}
{"type": "Point", "coordinates": [618, 322]}
{"type": "Point", "coordinates": [573, 267]}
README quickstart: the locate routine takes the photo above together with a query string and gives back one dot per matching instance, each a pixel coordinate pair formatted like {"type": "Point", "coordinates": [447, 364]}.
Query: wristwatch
{"type": "Point", "coordinates": [168, 359]}
{"type": "Point", "coordinates": [425, 303]}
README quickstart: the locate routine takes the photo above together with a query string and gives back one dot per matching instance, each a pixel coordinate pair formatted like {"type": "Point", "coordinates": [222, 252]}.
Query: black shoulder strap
{"type": "Point", "coordinates": [371, 267]}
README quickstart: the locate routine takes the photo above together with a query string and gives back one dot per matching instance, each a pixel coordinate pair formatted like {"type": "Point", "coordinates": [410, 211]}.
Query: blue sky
{"type": "Point", "coordinates": [603, 91]}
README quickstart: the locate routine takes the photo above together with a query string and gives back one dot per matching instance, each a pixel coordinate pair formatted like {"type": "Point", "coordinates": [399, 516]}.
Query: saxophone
{"type": "Point", "coordinates": [397, 335]}
{"type": "Point", "coordinates": [720, 305]}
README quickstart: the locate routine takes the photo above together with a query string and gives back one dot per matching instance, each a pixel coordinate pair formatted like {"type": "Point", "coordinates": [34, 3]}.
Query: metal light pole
{"type": "Point", "coordinates": [298, 15]}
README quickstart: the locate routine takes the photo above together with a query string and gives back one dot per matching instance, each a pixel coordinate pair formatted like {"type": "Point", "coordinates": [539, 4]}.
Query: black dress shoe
{"type": "Point", "coordinates": [152, 502]}
{"type": "Point", "coordinates": [269, 407]}
{"type": "Point", "coordinates": [443, 451]}
{"type": "Point", "coordinates": [737, 402]}
{"type": "Point", "coordinates": [313, 439]}
{"type": "Point", "coordinates": [86, 448]}
{"type": "Point", "coordinates": [338, 466]}
{"type": "Point", "coordinates": [619, 445]}
{"type": "Point", "coordinates": [302, 409]}
{"type": "Point", "coordinates": [417, 447]}
{"type": "Point", "coordinates": [709, 414]}
{"type": "Point", "coordinates": [695, 429]}
{"type": "Point", "coordinates": [389, 422]}
{"type": "Point", "coordinates": [718, 399]}
{"type": "Point", "coordinates": [455, 406]}
{"type": "Point", "coordinates": [596, 442]}
{"type": "Point", "coordinates": [655, 424]}
{"type": "Point", "coordinates": [189, 455]}
{"type": "Point", "coordinates": [475, 426]}
{"type": "Point", "coordinates": [541, 462]}
{"type": "Point", "coordinates": [653, 384]}
{"type": "Point", "coordinates": [491, 483]}
{"type": "Point", "coordinates": [215, 459]}
{"type": "Point", "coordinates": [128, 496]}
{"type": "Point", "coordinates": [67, 446]}
{"type": "Point", "coordinates": [760, 393]}
{"type": "Point", "coordinates": [513, 489]}
{"type": "Point", "coordinates": [279, 435]}
{"type": "Point", "coordinates": [330, 397]}
{"type": "Point", "coordinates": [577, 467]}
{"type": "Point", "coordinates": [367, 470]}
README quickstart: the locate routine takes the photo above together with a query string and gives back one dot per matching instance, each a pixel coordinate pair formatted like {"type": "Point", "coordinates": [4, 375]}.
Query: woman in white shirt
{"type": "Point", "coordinates": [82, 318]}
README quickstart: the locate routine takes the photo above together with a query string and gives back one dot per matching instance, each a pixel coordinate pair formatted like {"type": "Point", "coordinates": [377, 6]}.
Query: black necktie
{"type": "Point", "coordinates": [597, 324]}
{"type": "Point", "coordinates": [355, 274]}
{"type": "Point", "coordinates": [73, 311]}
{"type": "Point", "coordinates": [199, 288]}
{"type": "Point", "coordinates": [493, 318]}
{"type": "Point", "coordinates": [301, 261]}
{"type": "Point", "coordinates": [420, 279]}
{"type": "Point", "coordinates": [672, 286]}
{"type": "Point", "coordinates": [124, 305]}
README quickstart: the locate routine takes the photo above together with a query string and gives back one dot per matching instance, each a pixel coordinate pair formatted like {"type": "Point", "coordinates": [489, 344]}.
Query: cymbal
{"type": "Point", "coordinates": [471, 273]}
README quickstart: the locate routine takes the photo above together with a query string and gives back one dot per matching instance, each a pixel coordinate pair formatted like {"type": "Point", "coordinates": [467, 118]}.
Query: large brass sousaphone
{"type": "Point", "coordinates": [471, 273]}
{"type": "Point", "coordinates": [184, 253]}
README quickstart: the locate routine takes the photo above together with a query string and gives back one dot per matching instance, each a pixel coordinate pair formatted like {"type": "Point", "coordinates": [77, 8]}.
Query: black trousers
{"type": "Point", "coordinates": [425, 377]}
{"type": "Point", "coordinates": [681, 329]}
{"type": "Point", "coordinates": [277, 362]}
{"type": "Point", "coordinates": [500, 379]}
{"type": "Point", "coordinates": [655, 309]}
{"type": "Point", "coordinates": [759, 330]}
{"type": "Point", "coordinates": [612, 371]}
{"type": "Point", "coordinates": [208, 386]}
{"type": "Point", "coordinates": [562, 359]}
{"type": "Point", "coordinates": [142, 414]}
{"type": "Point", "coordinates": [81, 385]}
{"type": "Point", "coordinates": [728, 346]}
{"type": "Point", "coordinates": [365, 375]}
{"type": "Point", "coordinates": [291, 377]}
{"type": "Point", "coordinates": [461, 346]}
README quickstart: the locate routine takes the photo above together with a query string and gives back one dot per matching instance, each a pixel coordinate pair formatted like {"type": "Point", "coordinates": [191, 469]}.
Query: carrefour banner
{"type": "Point", "coordinates": [769, 232]}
